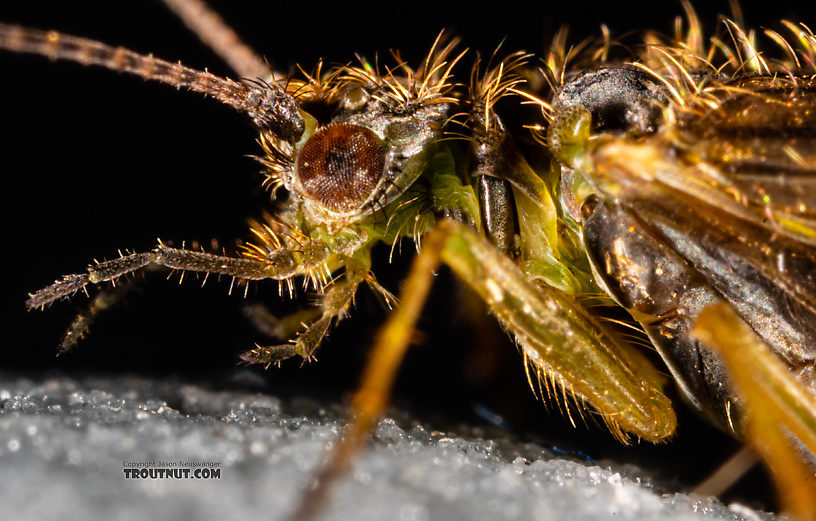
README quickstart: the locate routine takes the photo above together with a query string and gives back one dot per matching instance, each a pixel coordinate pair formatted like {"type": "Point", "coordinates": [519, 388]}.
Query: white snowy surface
{"type": "Point", "coordinates": [63, 444]}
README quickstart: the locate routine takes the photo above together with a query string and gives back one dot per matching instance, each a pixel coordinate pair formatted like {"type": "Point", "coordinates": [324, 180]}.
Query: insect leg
{"type": "Point", "coordinates": [518, 212]}
{"type": "Point", "coordinates": [493, 152]}
{"type": "Point", "coordinates": [279, 265]}
{"type": "Point", "coordinates": [561, 341]}
{"type": "Point", "coordinates": [82, 322]}
{"type": "Point", "coordinates": [334, 305]}
{"type": "Point", "coordinates": [556, 336]}
{"type": "Point", "coordinates": [774, 398]}
{"type": "Point", "coordinates": [279, 328]}
{"type": "Point", "coordinates": [371, 398]}
{"type": "Point", "coordinates": [498, 214]}
{"type": "Point", "coordinates": [216, 34]}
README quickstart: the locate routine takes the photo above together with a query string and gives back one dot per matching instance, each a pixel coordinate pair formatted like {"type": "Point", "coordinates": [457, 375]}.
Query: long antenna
{"type": "Point", "coordinates": [269, 107]}
{"type": "Point", "coordinates": [216, 34]}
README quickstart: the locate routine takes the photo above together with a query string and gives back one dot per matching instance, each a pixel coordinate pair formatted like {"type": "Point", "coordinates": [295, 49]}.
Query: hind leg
{"type": "Point", "coordinates": [780, 409]}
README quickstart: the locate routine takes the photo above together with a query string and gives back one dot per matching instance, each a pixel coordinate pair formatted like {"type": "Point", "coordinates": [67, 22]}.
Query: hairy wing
{"type": "Point", "coordinates": [729, 184]}
{"type": "Point", "coordinates": [757, 136]}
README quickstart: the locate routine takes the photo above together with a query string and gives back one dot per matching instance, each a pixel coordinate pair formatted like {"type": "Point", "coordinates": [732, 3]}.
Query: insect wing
{"type": "Point", "coordinates": [760, 135]}
{"type": "Point", "coordinates": [731, 189]}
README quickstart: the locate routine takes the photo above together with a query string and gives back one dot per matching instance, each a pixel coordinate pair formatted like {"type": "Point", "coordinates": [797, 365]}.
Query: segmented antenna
{"type": "Point", "coordinates": [213, 31]}
{"type": "Point", "coordinates": [267, 105]}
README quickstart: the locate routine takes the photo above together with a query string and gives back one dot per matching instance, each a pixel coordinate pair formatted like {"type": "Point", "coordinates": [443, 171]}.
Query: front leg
{"type": "Point", "coordinates": [279, 265]}
{"type": "Point", "coordinates": [334, 304]}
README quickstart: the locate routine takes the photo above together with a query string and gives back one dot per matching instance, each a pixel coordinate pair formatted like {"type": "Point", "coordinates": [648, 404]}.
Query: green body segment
{"type": "Point", "coordinates": [561, 341]}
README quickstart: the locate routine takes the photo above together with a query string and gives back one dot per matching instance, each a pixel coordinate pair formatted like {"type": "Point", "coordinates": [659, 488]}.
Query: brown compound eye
{"type": "Point", "coordinates": [340, 166]}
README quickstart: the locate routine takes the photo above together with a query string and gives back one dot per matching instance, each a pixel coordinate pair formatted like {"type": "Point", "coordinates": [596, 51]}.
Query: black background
{"type": "Point", "coordinates": [93, 161]}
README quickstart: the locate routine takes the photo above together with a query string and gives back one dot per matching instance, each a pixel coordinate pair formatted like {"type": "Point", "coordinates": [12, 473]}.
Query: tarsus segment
{"type": "Point", "coordinates": [269, 107]}
{"type": "Point", "coordinates": [85, 318]}
{"type": "Point", "coordinates": [278, 265]}
{"type": "Point", "coordinates": [334, 303]}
